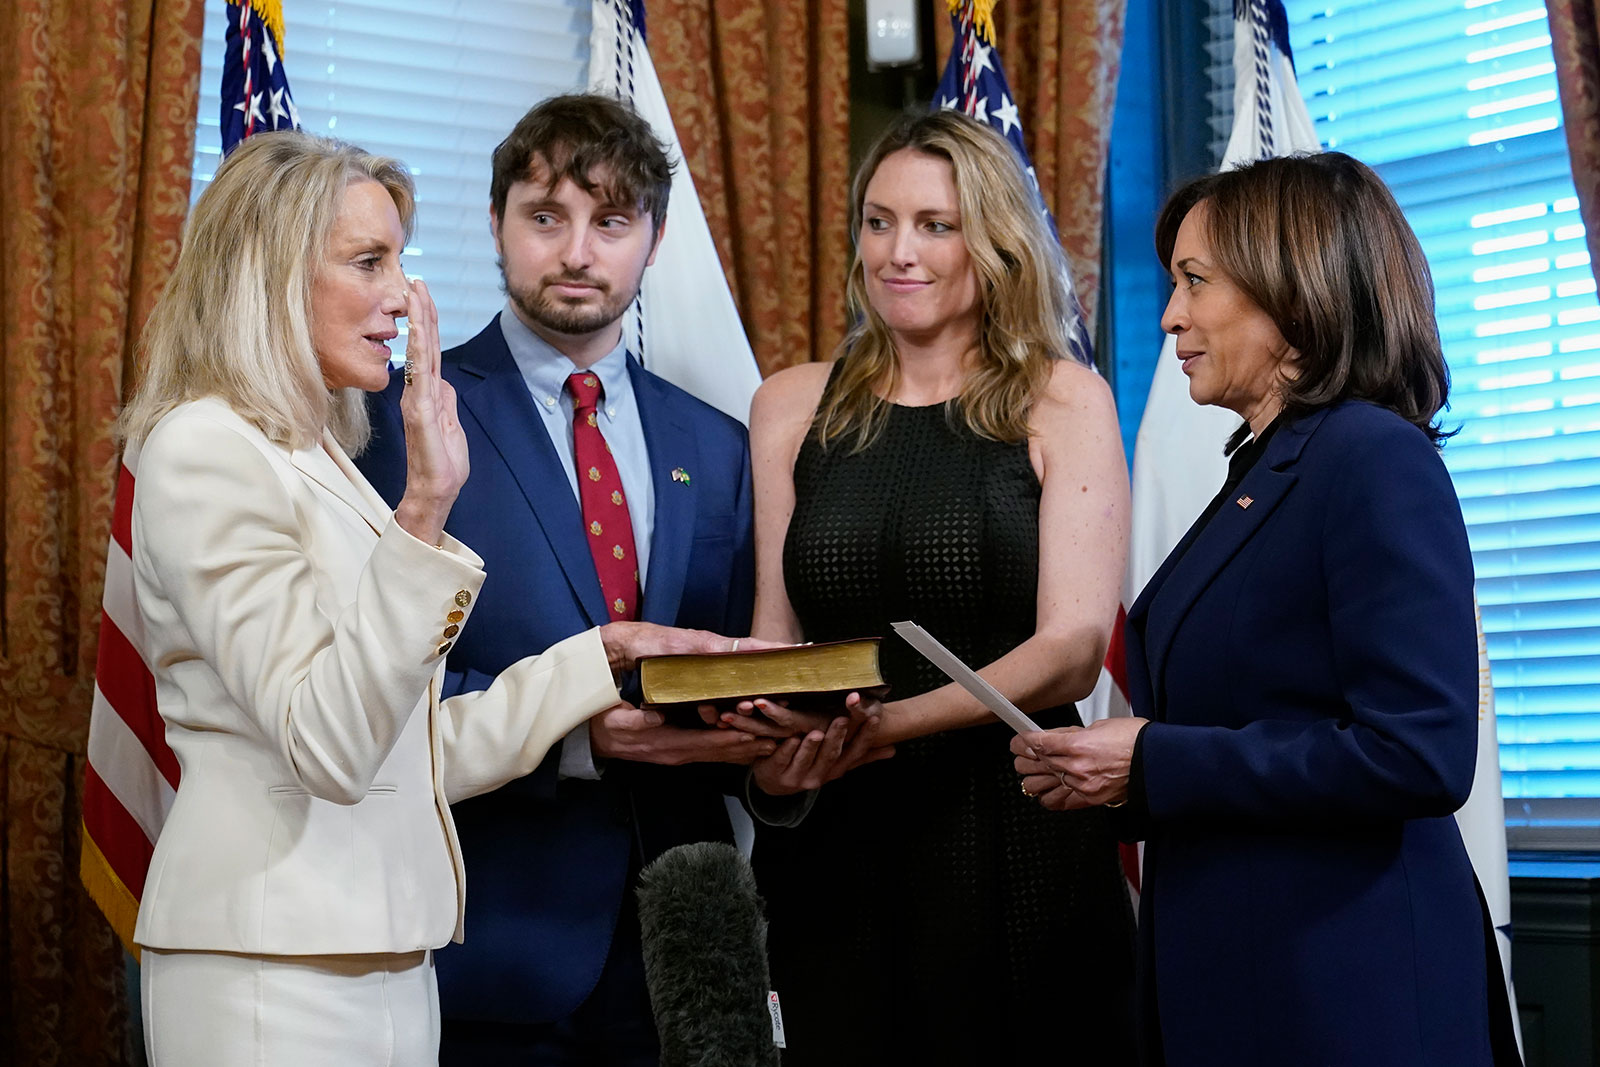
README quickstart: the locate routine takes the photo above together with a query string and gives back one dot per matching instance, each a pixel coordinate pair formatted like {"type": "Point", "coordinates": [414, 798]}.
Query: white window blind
{"type": "Point", "coordinates": [436, 84]}
{"type": "Point", "coordinates": [1454, 103]}
{"type": "Point", "coordinates": [1219, 76]}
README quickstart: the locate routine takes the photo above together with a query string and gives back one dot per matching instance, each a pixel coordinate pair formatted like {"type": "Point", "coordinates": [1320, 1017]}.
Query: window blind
{"type": "Point", "coordinates": [1219, 76]}
{"type": "Point", "coordinates": [435, 84]}
{"type": "Point", "coordinates": [1454, 103]}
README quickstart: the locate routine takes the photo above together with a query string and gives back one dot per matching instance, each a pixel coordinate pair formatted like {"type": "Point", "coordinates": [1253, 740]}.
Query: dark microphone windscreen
{"type": "Point", "coordinates": [705, 958]}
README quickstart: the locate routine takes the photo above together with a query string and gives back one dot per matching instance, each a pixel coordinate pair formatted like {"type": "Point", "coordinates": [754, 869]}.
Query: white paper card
{"type": "Point", "coordinates": [964, 676]}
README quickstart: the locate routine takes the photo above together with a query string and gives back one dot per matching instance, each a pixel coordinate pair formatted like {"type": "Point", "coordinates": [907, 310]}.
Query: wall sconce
{"type": "Point", "coordinates": [893, 37]}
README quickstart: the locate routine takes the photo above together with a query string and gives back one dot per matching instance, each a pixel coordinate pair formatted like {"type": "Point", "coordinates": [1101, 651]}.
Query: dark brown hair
{"type": "Point", "coordinates": [1318, 243]}
{"type": "Point", "coordinates": [598, 142]}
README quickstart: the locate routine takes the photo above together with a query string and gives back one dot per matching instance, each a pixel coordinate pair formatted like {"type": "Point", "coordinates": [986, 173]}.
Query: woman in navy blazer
{"type": "Point", "coordinates": [1303, 666]}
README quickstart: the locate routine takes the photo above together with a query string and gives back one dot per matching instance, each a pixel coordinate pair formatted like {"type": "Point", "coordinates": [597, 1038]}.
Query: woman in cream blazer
{"type": "Point", "coordinates": [297, 630]}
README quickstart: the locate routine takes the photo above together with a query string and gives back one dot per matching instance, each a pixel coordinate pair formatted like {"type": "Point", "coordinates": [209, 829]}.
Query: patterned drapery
{"type": "Point", "coordinates": [97, 106]}
{"type": "Point", "coordinates": [760, 97]}
{"type": "Point", "coordinates": [1062, 58]}
{"type": "Point", "coordinates": [1575, 38]}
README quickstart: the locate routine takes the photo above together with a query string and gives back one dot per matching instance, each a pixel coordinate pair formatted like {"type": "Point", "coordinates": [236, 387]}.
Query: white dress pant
{"type": "Point", "coordinates": [219, 1009]}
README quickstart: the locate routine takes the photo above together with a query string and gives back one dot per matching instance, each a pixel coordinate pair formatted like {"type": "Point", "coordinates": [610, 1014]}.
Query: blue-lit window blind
{"type": "Point", "coordinates": [435, 84]}
{"type": "Point", "coordinates": [1454, 103]}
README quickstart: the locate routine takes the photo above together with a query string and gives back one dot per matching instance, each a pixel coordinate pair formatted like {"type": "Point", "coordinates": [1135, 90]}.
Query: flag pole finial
{"type": "Point", "coordinates": [981, 13]}
{"type": "Point", "coordinates": [269, 12]}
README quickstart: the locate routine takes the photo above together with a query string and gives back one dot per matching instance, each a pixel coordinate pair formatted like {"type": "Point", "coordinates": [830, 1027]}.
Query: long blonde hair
{"type": "Point", "coordinates": [234, 321]}
{"type": "Point", "coordinates": [1028, 311]}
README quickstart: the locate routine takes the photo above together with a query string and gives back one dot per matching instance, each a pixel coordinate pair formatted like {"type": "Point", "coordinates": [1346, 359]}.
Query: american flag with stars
{"type": "Point", "coordinates": [255, 87]}
{"type": "Point", "coordinates": [132, 776]}
{"type": "Point", "coordinates": [974, 83]}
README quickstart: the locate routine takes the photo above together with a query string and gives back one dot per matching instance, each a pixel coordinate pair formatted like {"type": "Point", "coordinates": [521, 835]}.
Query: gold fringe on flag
{"type": "Point", "coordinates": [982, 15]}
{"type": "Point", "coordinates": [271, 13]}
{"type": "Point", "coordinates": [118, 903]}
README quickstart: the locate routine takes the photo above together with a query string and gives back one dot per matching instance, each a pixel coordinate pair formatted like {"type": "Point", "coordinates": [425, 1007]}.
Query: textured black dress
{"type": "Point", "coordinates": [926, 911]}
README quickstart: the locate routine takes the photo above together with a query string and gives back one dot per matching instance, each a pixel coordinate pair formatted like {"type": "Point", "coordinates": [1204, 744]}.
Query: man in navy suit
{"type": "Point", "coordinates": [598, 492]}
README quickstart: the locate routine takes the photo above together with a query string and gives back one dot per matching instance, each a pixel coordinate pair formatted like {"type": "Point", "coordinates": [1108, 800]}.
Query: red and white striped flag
{"type": "Point", "coordinates": [132, 775]}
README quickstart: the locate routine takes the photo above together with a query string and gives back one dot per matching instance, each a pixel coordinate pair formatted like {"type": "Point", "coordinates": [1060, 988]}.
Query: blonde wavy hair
{"type": "Point", "coordinates": [234, 321]}
{"type": "Point", "coordinates": [1029, 311]}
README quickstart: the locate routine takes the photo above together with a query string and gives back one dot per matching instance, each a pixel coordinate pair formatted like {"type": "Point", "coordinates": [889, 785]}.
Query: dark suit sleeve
{"type": "Point", "coordinates": [383, 461]}
{"type": "Point", "coordinates": [1398, 740]}
{"type": "Point", "coordinates": [742, 576]}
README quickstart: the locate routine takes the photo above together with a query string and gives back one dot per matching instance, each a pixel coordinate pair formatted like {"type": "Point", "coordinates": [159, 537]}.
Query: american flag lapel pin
{"type": "Point", "coordinates": [1245, 501]}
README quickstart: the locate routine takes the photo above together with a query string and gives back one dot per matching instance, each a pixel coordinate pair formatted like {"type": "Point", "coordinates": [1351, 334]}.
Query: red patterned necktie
{"type": "Point", "coordinates": [605, 508]}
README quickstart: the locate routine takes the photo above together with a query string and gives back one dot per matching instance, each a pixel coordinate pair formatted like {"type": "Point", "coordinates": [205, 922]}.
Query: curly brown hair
{"type": "Point", "coordinates": [596, 141]}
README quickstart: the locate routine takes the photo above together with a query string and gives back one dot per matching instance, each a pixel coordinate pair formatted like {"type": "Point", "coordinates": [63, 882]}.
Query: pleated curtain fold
{"type": "Point", "coordinates": [760, 96]}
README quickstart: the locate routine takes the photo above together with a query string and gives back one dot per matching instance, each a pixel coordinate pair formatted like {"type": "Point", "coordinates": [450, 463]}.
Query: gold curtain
{"type": "Point", "coordinates": [97, 106]}
{"type": "Point", "coordinates": [1575, 38]}
{"type": "Point", "coordinates": [760, 97]}
{"type": "Point", "coordinates": [1062, 59]}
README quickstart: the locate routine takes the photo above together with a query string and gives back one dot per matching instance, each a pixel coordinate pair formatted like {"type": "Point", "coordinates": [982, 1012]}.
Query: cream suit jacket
{"type": "Point", "coordinates": [297, 635]}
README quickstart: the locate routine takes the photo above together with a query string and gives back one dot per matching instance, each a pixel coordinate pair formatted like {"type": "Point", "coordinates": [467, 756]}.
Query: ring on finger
{"type": "Point", "coordinates": [1024, 784]}
{"type": "Point", "coordinates": [410, 369]}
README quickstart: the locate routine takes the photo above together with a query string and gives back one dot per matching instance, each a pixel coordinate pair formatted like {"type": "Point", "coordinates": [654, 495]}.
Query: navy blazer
{"type": "Point", "coordinates": [1308, 661]}
{"type": "Point", "coordinates": [548, 861]}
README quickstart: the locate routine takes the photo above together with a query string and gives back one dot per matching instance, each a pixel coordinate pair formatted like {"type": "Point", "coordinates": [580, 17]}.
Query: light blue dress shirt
{"type": "Point", "coordinates": [545, 371]}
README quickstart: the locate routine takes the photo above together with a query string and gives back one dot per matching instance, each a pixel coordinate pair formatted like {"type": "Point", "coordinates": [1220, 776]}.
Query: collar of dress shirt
{"type": "Point", "coordinates": [545, 369]}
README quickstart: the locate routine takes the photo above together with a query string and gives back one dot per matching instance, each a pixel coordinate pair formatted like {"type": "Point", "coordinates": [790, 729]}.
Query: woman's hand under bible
{"type": "Point", "coordinates": [811, 760]}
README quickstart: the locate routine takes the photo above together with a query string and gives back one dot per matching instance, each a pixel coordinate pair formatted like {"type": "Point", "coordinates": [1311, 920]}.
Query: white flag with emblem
{"type": "Point", "coordinates": [691, 333]}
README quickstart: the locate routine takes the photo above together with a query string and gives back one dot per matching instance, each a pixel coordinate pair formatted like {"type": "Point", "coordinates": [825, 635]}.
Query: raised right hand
{"type": "Point", "coordinates": [436, 446]}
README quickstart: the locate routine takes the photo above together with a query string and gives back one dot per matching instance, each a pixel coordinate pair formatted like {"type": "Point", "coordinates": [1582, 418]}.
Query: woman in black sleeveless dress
{"type": "Point", "coordinates": [951, 467]}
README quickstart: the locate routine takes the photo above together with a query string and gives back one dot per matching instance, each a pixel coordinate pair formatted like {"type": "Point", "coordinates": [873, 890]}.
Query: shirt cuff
{"type": "Point", "coordinates": [788, 811]}
{"type": "Point", "coordinates": [577, 757]}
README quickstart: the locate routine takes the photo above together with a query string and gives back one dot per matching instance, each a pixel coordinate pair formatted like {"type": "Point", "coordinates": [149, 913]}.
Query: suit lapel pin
{"type": "Point", "coordinates": [680, 475]}
{"type": "Point", "coordinates": [1245, 501]}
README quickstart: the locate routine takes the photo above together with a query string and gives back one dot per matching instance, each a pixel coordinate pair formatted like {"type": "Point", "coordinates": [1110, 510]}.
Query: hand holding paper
{"type": "Point", "coordinates": [1104, 782]}
{"type": "Point", "coordinates": [1092, 763]}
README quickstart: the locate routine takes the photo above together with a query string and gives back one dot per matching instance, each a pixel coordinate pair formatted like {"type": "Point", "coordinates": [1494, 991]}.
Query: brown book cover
{"type": "Point", "coordinates": [797, 672]}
